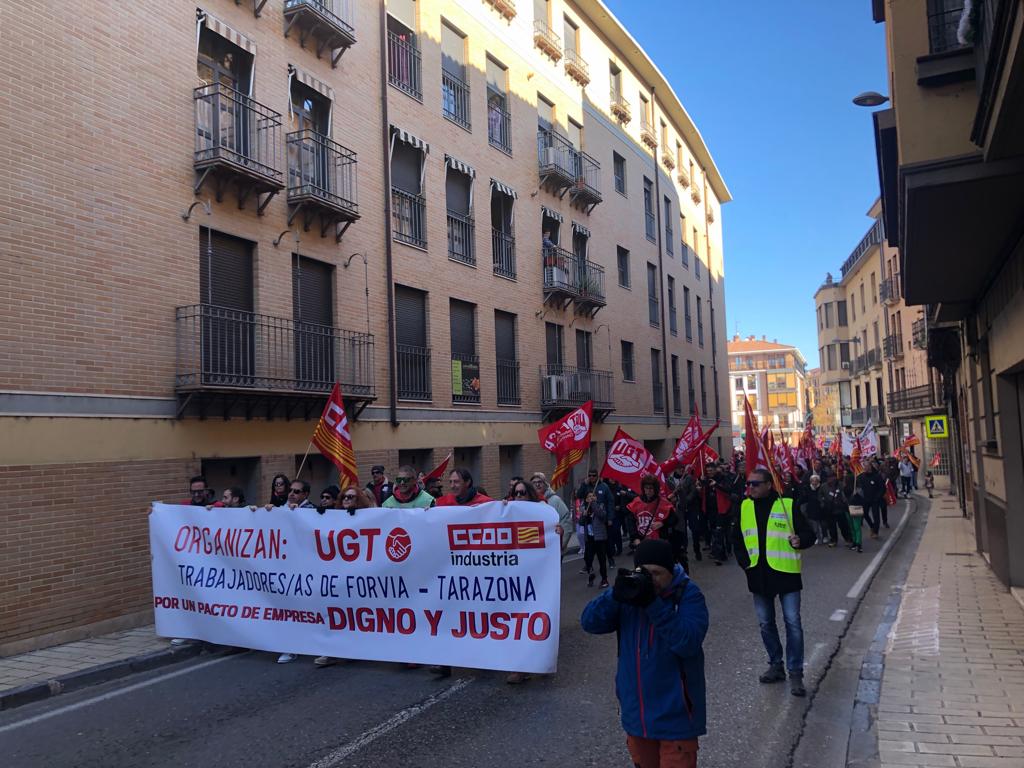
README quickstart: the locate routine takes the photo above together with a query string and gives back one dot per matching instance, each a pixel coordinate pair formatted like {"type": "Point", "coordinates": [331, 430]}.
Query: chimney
{"type": "Point", "coordinates": [752, 338]}
{"type": "Point", "coordinates": [763, 337]}
{"type": "Point", "coordinates": [775, 341]}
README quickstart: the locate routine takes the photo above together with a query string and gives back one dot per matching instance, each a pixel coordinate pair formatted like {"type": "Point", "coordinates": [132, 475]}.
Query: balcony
{"type": "Point", "coordinates": [413, 372]}
{"type": "Point", "coordinates": [561, 276]}
{"type": "Point", "coordinates": [565, 388]}
{"type": "Point", "coordinates": [695, 194]}
{"type": "Point", "coordinates": [619, 106]}
{"type": "Point", "coordinates": [667, 159]}
{"type": "Point", "coordinates": [913, 400]}
{"type": "Point", "coordinates": [408, 218]}
{"type": "Point", "coordinates": [499, 126]}
{"type": "Point", "coordinates": [683, 177]}
{"type": "Point", "coordinates": [547, 40]}
{"type": "Point", "coordinates": [455, 99]}
{"type": "Point", "coordinates": [321, 182]}
{"type": "Point", "coordinates": [507, 8]}
{"type": "Point", "coordinates": [465, 378]}
{"type": "Point", "coordinates": [404, 64]}
{"type": "Point", "coordinates": [237, 142]}
{"type": "Point", "coordinates": [647, 134]}
{"type": "Point", "coordinates": [508, 382]}
{"type": "Point", "coordinates": [586, 189]}
{"type": "Point", "coordinates": [231, 362]}
{"type": "Point", "coordinates": [461, 233]}
{"type": "Point", "coordinates": [919, 334]}
{"type": "Point", "coordinates": [872, 238]}
{"type": "Point", "coordinates": [576, 67]}
{"type": "Point", "coordinates": [859, 416]}
{"type": "Point", "coordinates": [889, 291]}
{"type": "Point", "coordinates": [591, 295]}
{"type": "Point", "coordinates": [557, 162]}
{"type": "Point", "coordinates": [326, 22]}
{"type": "Point", "coordinates": [503, 252]}
{"type": "Point", "coordinates": [892, 347]}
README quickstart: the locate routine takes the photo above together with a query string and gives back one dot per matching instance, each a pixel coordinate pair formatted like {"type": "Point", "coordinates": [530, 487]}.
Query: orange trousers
{"type": "Point", "coordinates": [652, 753]}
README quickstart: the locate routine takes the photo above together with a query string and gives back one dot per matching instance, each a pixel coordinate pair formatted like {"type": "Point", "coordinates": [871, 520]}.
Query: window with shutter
{"type": "Point", "coordinates": [463, 327]}
{"type": "Point", "coordinates": [226, 292]}
{"type": "Point", "coordinates": [412, 352]}
{"type": "Point", "coordinates": [553, 344]}
{"type": "Point", "coordinates": [312, 310]}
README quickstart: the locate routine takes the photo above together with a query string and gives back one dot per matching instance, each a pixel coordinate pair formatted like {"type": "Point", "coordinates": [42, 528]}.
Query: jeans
{"type": "Point", "coordinates": [873, 514]}
{"type": "Point", "coordinates": [597, 547]}
{"type": "Point", "coordinates": [906, 483]}
{"type": "Point", "coordinates": [765, 609]}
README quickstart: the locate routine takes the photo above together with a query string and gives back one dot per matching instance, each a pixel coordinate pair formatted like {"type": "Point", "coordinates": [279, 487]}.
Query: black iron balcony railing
{"type": "Point", "coordinates": [328, 22]}
{"type": "Point", "coordinates": [590, 283]}
{"type": "Point", "coordinates": [654, 311]}
{"type": "Point", "coordinates": [892, 347]}
{"type": "Point", "coordinates": [919, 334]}
{"type": "Point", "coordinates": [499, 125]}
{"type": "Point", "coordinates": [561, 271]}
{"type": "Point", "coordinates": [619, 105]}
{"type": "Point", "coordinates": [871, 238]}
{"type": "Point", "coordinates": [576, 67]}
{"type": "Point", "coordinates": [692, 395]}
{"type": "Point", "coordinates": [413, 372]}
{"type": "Point", "coordinates": [649, 226]}
{"type": "Point", "coordinates": [587, 187]}
{"type": "Point", "coordinates": [465, 378]}
{"type": "Point", "coordinates": [889, 290]}
{"type": "Point", "coordinates": [546, 39]}
{"type": "Point", "coordinates": [507, 8]}
{"type": "Point", "coordinates": [503, 252]}
{"type": "Point", "coordinates": [404, 64]}
{"type": "Point", "coordinates": [658, 396]}
{"type": "Point", "coordinates": [859, 416]}
{"type": "Point", "coordinates": [322, 171]}
{"type": "Point", "coordinates": [223, 348]}
{"type": "Point", "coordinates": [557, 159]}
{"type": "Point", "coordinates": [647, 134]}
{"type": "Point", "coordinates": [455, 99]}
{"type": "Point", "coordinates": [460, 238]}
{"type": "Point", "coordinates": [943, 21]}
{"type": "Point", "coordinates": [921, 398]}
{"type": "Point", "coordinates": [408, 217]}
{"type": "Point", "coordinates": [565, 386]}
{"type": "Point", "coordinates": [508, 382]}
{"type": "Point", "coordinates": [234, 130]}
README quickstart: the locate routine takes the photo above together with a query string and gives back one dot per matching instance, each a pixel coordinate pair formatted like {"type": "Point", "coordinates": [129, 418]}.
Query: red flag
{"type": "Point", "coordinates": [689, 447]}
{"type": "Point", "coordinates": [628, 461]}
{"type": "Point", "coordinates": [855, 457]}
{"type": "Point", "coordinates": [935, 460]}
{"type": "Point", "coordinates": [333, 440]}
{"type": "Point", "coordinates": [568, 438]}
{"type": "Point", "coordinates": [890, 494]}
{"type": "Point", "coordinates": [438, 472]}
{"type": "Point", "coordinates": [751, 442]}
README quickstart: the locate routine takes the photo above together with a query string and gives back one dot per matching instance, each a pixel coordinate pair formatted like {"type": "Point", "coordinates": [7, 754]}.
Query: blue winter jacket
{"type": "Point", "coordinates": [660, 677]}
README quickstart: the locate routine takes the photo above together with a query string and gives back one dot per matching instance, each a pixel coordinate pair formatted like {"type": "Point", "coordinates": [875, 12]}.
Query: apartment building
{"type": "Point", "coordinates": [475, 215]}
{"type": "Point", "coordinates": [772, 376]}
{"type": "Point", "coordinates": [950, 157]}
{"type": "Point", "coordinates": [822, 403]}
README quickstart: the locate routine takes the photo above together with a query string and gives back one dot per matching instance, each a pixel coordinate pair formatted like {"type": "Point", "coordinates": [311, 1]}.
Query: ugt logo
{"type": "Point", "coordinates": [398, 545]}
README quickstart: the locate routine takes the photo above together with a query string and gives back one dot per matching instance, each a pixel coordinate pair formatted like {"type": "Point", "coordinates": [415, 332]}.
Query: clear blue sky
{"type": "Point", "coordinates": [769, 86]}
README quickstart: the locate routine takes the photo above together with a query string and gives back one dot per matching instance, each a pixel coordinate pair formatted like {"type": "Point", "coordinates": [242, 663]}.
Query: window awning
{"type": "Point", "coordinates": [217, 26]}
{"type": "Point", "coordinates": [308, 80]}
{"type": "Point", "coordinates": [504, 189]}
{"type": "Point", "coordinates": [577, 227]}
{"type": "Point", "coordinates": [552, 214]}
{"type": "Point", "coordinates": [459, 166]}
{"type": "Point", "coordinates": [410, 139]}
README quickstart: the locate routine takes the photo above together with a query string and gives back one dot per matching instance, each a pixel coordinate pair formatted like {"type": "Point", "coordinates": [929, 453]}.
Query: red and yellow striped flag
{"type": "Point", "coordinates": [333, 440]}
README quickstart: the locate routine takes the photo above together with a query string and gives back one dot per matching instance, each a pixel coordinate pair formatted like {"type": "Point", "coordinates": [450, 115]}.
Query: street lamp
{"type": "Point", "coordinates": [870, 99]}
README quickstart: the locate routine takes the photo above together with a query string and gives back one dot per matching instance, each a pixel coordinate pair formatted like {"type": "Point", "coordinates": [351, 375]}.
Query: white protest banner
{"type": "Point", "coordinates": [461, 586]}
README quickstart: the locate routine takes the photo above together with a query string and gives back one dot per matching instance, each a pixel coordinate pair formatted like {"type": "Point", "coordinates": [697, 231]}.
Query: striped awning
{"type": "Point", "coordinates": [505, 189]}
{"type": "Point", "coordinates": [218, 27]}
{"type": "Point", "coordinates": [459, 166]}
{"type": "Point", "coordinates": [552, 214]}
{"type": "Point", "coordinates": [577, 227]}
{"type": "Point", "coordinates": [413, 141]}
{"type": "Point", "coordinates": [308, 80]}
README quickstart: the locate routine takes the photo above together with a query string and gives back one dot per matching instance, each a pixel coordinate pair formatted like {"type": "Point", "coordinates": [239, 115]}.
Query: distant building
{"type": "Point", "coordinates": [773, 377]}
{"type": "Point", "coordinates": [822, 403]}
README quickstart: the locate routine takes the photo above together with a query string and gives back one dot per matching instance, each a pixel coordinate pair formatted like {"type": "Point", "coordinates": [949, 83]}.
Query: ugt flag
{"type": "Point", "coordinates": [568, 438]}
{"type": "Point", "coordinates": [628, 460]}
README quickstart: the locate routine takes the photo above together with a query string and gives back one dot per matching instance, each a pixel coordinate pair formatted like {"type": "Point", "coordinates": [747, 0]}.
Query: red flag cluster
{"type": "Point", "coordinates": [692, 447]}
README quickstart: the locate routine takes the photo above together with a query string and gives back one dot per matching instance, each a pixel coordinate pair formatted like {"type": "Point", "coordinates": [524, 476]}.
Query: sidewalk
{"type": "Point", "coordinates": [953, 687]}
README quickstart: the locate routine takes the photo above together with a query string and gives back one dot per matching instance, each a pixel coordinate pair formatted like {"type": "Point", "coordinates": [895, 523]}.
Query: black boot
{"type": "Point", "coordinates": [775, 673]}
{"type": "Point", "coordinates": [796, 684]}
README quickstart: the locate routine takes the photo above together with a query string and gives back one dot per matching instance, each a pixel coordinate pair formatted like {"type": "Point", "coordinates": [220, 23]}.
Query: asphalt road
{"type": "Point", "coordinates": [245, 710]}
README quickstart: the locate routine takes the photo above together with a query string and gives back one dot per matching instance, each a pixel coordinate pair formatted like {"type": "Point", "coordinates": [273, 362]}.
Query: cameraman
{"type": "Point", "coordinates": [661, 619]}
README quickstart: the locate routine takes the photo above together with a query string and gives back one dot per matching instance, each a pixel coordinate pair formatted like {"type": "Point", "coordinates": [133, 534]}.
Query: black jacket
{"type": "Point", "coordinates": [762, 579]}
{"type": "Point", "coordinates": [871, 486]}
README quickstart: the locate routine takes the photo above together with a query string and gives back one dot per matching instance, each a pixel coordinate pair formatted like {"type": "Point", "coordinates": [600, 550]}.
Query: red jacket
{"type": "Point", "coordinates": [647, 513]}
{"type": "Point", "coordinates": [449, 500]}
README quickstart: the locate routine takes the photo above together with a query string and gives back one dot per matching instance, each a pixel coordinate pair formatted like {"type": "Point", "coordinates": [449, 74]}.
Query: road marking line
{"type": "Point", "coordinates": [112, 694]}
{"type": "Point", "coordinates": [876, 562]}
{"type": "Point", "coordinates": [838, 615]}
{"type": "Point", "coordinates": [368, 737]}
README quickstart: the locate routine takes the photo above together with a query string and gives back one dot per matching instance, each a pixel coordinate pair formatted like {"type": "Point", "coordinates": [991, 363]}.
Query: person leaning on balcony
{"type": "Point", "coordinates": [407, 493]}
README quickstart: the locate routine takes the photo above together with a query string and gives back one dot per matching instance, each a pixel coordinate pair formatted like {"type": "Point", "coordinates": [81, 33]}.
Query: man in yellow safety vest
{"type": "Point", "coordinates": [767, 542]}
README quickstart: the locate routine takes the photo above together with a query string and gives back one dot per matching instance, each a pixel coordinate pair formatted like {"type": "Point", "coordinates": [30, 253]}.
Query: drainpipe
{"type": "Point", "coordinates": [711, 289]}
{"type": "Point", "coordinates": [661, 280]}
{"type": "Point", "coordinates": [388, 254]}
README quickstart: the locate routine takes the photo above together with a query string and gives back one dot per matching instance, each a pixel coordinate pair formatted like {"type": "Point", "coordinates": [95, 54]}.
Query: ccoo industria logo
{"type": "Point", "coordinates": [494, 536]}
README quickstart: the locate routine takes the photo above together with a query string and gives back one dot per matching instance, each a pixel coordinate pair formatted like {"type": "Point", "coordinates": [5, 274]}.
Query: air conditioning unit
{"type": "Point", "coordinates": [554, 387]}
{"type": "Point", "coordinates": [549, 156]}
{"type": "Point", "coordinates": [846, 366]}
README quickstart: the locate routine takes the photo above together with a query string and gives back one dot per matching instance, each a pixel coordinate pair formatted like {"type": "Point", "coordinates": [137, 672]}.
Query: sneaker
{"type": "Point", "coordinates": [611, 562]}
{"type": "Point", "coordinates": [286, 658]}
{"type": "Point", "coordinates": [515, 678]}
{"type": "Point", "coordinates": [796, 685]}
{"type": "Point", "coordinates": [775, 673]}
{"type": "Point", "coordinates": [320, 661]}
{"type": "Point", "coordinates": [860, 548]}
{"type": "Point", "coordinates": [180, 641]}
{"type": "Point", "coordinates": [603, 584]}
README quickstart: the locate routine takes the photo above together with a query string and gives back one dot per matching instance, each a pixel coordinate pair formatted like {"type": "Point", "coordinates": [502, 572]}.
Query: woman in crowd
{"type": "Point", "coordinates": [594, 520]}
{"type": "Point", "coordinates": [279, 490]}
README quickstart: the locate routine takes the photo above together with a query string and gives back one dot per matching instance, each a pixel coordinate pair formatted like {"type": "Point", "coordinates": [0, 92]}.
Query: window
{"type": "Point", "coordinates": [696, 254]}
{"type": "Point", "coordinates": [664, 135]}
{"type": "Point", "coordinates": [752, 383]}
{"type": "Point", "coordinates": [571, 33]}
{"type": "Point", "coordinates": [874, 289]}
{"type": "Point", "coordinates": [841, 314]}
{"type": "Point", "coordinates": [506, 358]}
{"type": "Point", "coordinates": [821, 325]}
{"type": "Point", "coordinates": [831, 350]}
{"type": "Point", "coordinates": [408, 206]}
{"type": "Point", "coordinates": [553, 335]}
{"type": "Point", "coordinates": [863, 307]}
{"type": "Point", "coordinates": [413, 354]}
{"type": "Point", "coordinates": [874, 327]}
{"type": "Point", "coordinates": [657, 388]}
{"type": "Point", "coordinates": [653, 308]}
{"type": "Point", "coordinates": [454, 88]}
{"type": "Point", "coordinates": [584, 350]}
{"type": "Point", "coordinates": [669, 237]}
{"type": "Point", "coordinates": [622, 261]}
{"type": "Point", "coordinates": [700, 323]}
{"type": "Point", "coordinates": [312, 311]}
{"type": "Point", "coordinates": [828, 314]}
{"type": "Point", "coordinates": [679, 162]}
{"type": "Point", "coordinates": [684, 255]}
{"type": "Point", "coordinates": [677, 395]}
{"type": "Point", "coordinates": [943, 21]}
{"type": "Point", "coordinates": [673, 329]}
{"type": "Point", "coordinates": [458, 192]}
{"type": "Point", "coordinates": [226, 280]}
{"type": "Point", "coordinates": [627, 361]}
{"type": "Point", "coordinates": [703, 393]}
{"type": "Point", "coordinates": [689, 386]}
{"type": "Point", "coordinates": [645, 112]}
{"type": "Point", "coordinates": [465, 361]}
{"type": "Point", "coordinates": [499, 125]}
{"type": "Point", "coordinates": [545, 114]}
{"type": "Point", "coordinates": [714, 336]}
{"type": "Point", "coordinates": [619, 172]}
{"type": "Point", "coordinates": [687, 321]}
{"type": "Point", "coordinates": [221, 62]}
{"type": "Point", "coordinates": [718, 404]}
{"type": "Point", "coordinates": [403, 49]}
{"type": "Point", "coordinates": [542, 11]}
{"type": "Point", "coordinates": [503, 240]}
{"type": "Point", "coordinates": [844, 352]}
{"type": "Point", "coordinates": [853, 309]}
{"type": "Point", "coordinates": [649, 210]}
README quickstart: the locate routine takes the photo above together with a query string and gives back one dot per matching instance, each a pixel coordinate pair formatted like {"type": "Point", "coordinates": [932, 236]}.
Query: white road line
{"type": "Point", "coordinates": [113, 694]}
{"type": "Point", "coordinates": [368, 737]}
{"type": "Point", "coordinates": [838, 615]}
{"type": "Point", "coordinates": [876, 562]}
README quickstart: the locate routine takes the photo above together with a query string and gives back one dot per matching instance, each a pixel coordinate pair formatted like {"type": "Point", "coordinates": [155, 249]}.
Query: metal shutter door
{"type": "Point", "coordinates": [504, 335]}
{"type": "Point", "coordinates": [410, 316]}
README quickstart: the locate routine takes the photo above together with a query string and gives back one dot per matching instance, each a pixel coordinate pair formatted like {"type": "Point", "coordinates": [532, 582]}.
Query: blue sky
{"type": "Point", "coordinates": [769, 86]}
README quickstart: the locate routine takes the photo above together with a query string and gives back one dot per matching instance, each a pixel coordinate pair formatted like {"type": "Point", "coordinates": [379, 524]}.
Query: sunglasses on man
{"type": "Point", "coordinates": [754, 483]}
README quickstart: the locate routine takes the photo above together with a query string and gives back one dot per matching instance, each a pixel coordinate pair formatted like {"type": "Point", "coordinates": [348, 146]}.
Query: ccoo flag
{"type": "Point", "coordinates": [334, 440]}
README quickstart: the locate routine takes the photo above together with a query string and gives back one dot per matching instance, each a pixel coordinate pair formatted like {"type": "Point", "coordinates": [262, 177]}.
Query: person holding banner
{"type": "Point", "coordinates": [539, 481]}
{"type": "Point", "coordinates": [648, 512]}
{"type": "Point", "coordinates": [407, 493]}
{"type": "Point", "coordinates": [461, 491]}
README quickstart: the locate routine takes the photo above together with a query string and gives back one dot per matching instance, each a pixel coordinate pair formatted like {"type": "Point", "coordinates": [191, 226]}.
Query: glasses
{"type": "Point", "coordinates": [376, 472]}
{"type": "Point", "coordinates": [521, 493]}
{"type": "Point", "coordinates": [754, 483]}
{"type": "Point", "coordinates": [279, 482]}
{"type": "Point", "coordinates": [296, 491]}
{"type": "Point", "coordinates": [349, 497]}
{"type": "Point", "coordinates": [325, 496]}
{"type": "Point", "coordinates": [537, 482]}
{"type": "Point", "coordinates": [403, 479]}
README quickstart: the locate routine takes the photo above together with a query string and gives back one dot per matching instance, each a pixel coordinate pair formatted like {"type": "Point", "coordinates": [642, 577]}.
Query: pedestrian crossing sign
{"type": "Point", "coordinates": [936, 427]}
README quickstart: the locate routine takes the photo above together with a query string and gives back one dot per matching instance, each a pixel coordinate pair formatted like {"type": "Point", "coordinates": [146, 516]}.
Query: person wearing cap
{"type": "Point", "coordinates": [767, 542]}
{"type": "Point", "coordinates": [379, 487]}
{"type": "Point", "coordinates": [661, 619]}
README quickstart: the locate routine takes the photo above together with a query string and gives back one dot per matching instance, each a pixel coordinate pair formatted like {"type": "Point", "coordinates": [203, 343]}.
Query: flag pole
{"type": "Point", "coordinates": [303, 462]}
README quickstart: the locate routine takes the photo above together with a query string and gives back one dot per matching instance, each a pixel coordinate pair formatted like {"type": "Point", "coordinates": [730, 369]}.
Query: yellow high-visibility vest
{"type": "Point", "coordinates": [780, 553]}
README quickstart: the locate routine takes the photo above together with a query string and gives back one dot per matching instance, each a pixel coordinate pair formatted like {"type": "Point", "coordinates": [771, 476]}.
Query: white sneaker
{"type": "Point", "coordinates": [286, 658]}
{"type": "Point", "coordinates": [180, 641]}
{"type": "Point", "coordinates": [325, 661]}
